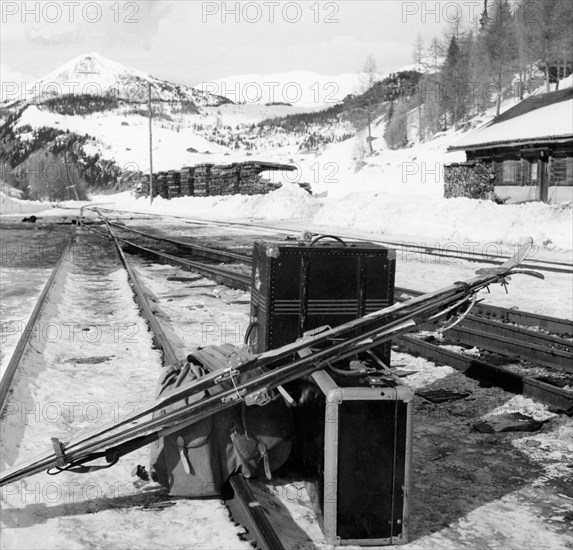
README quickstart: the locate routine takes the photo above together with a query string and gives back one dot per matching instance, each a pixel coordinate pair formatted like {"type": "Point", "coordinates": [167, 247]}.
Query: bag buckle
{"type": "Point", "coordinates": [226, 375]}
{"type": "Point", "coordinates": [260, 397]}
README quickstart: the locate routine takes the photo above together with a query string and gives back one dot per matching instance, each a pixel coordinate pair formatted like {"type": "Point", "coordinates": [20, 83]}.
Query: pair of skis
{"type": "Point", "coordinates": [251, 378]}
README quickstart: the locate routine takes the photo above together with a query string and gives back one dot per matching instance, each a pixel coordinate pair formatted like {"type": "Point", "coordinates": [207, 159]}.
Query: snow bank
{"type": "Point", "coordinates": [11, 205]}
{"type": "Point", "coordinates": [290, 201]}
{"type": "Point", "coordinates": [451, 220]}
{"type": "Point", "coordinates": [429, 219]}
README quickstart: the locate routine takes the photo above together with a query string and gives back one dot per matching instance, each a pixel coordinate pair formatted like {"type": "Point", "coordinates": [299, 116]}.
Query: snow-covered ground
{"type": "Point", "coordinates": [94, 363]}
{"type": "Point", "coordinates": [458, 223]}
{"type": "Point", "coordinates": [391, 195]}
{"type": "Point", "coordinates": [455, 504]}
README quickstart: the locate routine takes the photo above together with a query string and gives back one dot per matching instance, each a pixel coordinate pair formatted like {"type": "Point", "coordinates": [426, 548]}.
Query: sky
{"type": "Point", "coordinates": [193, 41]}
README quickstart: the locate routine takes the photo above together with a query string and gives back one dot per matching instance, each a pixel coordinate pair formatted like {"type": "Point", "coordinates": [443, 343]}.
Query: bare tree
{"type": "Point", "coordinates": [419, 61]}
{"type": "Point", "coordinates": [368, 80]}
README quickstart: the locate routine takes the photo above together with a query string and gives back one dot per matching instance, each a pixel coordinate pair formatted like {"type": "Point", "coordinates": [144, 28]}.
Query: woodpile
{"type": "Point", "coordinates": [202, 180]}
{"type": "Point", "coordinates": [173, 184]}
{"type": "Point", "coordinates": [161, 184]}
{"type": "Point", "coordinates": [225, 180]}
{"type": "Point", "coordinates": [143, 189]}
{"type": "Point", "coordinates": [474, 180]}
{"type": "Point", "coordinates": [239, 178]}
{"type": "Point", "coordinates": [187, 181]}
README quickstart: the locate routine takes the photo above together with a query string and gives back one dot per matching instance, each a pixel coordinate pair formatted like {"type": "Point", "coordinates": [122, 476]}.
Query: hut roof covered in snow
{"type": "Point", "coordinates": [538, 119]}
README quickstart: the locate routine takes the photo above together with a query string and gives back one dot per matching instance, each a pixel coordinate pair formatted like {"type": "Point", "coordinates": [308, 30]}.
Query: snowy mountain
{"type": "Point", "coordinates": [93, 74]}
{"type": "Point", "coordinates": [298, 88]}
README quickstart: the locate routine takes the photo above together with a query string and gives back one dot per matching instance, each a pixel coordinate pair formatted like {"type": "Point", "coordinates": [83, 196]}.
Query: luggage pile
{"type": "Point", "coordinates": [208, 179]}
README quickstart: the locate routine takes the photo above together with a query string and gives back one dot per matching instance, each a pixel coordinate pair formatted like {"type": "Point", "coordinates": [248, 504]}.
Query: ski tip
{"type": "Point", "coordinates": [527, 247]}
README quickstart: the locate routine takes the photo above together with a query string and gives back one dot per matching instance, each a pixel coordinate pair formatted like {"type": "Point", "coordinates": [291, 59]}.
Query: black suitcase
{"type": "Point", "coordinates": [301, 285]}
{"type": "Point", "coordinates": [354, 441]}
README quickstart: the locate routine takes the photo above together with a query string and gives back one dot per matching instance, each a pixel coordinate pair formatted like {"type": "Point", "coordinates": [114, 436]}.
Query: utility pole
{"type": "Point", "coordinates": [150, 149]}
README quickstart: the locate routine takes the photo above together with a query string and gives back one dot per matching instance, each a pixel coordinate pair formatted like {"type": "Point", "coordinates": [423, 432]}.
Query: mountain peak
{"type": "Point", "coordinates": [93, 74]}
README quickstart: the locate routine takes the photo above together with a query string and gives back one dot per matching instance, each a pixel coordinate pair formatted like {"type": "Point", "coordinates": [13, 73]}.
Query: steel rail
{"type": "Point", "coordinates": [476, 330]}
{"type": "Point", "coordinates": [491, 374]}
{"type": "Point", "coordinates": [506, 315]}
{"type": "Point", "coordinates": [510, 340]}
{"type": "Point", "coordinates": [553, 325]}
{"type": "Point", "coordinates": [479, 257]}
{"type": "Point", "coordinates": [195, 249]}
{"type": "Point", "coordinates": [242, 503]}
{"type": "Point", "coordinates": [160, 340]}
{"type": "Point", "coordinates": [225, 276]}
{"type": "Point", "coordinates": [497, 334]}
{"type": "Point", "coordinates": [21, 346]}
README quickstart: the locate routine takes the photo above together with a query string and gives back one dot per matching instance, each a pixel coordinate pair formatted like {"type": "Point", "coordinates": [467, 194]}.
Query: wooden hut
{"type": "Point", "coordinates": [526, 153]}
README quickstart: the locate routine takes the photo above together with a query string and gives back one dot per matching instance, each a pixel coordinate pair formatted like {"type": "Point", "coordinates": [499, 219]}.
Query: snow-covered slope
{"type": "Point", "coordinates": [96, 75]}
{"type": "Point", "coordinates": [299, 88]}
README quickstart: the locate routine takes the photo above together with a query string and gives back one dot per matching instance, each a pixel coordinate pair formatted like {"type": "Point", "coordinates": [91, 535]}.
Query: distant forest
{"type": "Point", "coordinates": [511, 49]}
{"type": "Point", "coordinates": [499, 54]}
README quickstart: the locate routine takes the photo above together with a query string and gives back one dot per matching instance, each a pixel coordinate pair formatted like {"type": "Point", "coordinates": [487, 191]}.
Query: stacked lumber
{"type": "Point", "coordinates": [208, 179]}
{"type": "Point", "coordinates": [249, 180]}
{"type": "Point", "coordinates": [161, 184]}
{"type": "Point", "coordinates": [187, 181]}
{"type": "Point", "coordinates": [202, 180]}
{"type": "Point", "coordinates": [225, 180]}
{"type": "Point", "coordinates": [173, 184]}
{"type": "Point", "coordinates": [143, 189]}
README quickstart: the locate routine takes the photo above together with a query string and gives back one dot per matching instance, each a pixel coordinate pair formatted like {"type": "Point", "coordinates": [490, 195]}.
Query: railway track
{"type": "Point", "coordinates": [239, 497]}
{"type": "Point", "coordinates": [455, 252]}
{"type": "Point", "coordinates": [516, 335]}
{"type": "Point", "coordinates": [501, 330]}
{"type": "Point", "coordinates": [25, 337]}
{"type": "Point", "coordinates": [205, 259]}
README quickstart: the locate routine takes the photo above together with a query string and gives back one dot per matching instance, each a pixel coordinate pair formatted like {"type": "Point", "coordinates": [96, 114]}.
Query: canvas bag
{"type": "Point", "coordinates": [198, 460]}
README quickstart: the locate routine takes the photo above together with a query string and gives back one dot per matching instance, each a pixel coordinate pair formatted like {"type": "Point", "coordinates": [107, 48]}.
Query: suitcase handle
{"type": "Point", "coordinates": [316, 239]}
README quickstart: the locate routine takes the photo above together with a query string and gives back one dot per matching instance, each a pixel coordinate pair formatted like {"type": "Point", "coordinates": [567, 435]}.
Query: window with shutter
{"type": "Point", "coordinates": [569, 172]}
{"type": "Point", "coordinates": [509, 172]}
